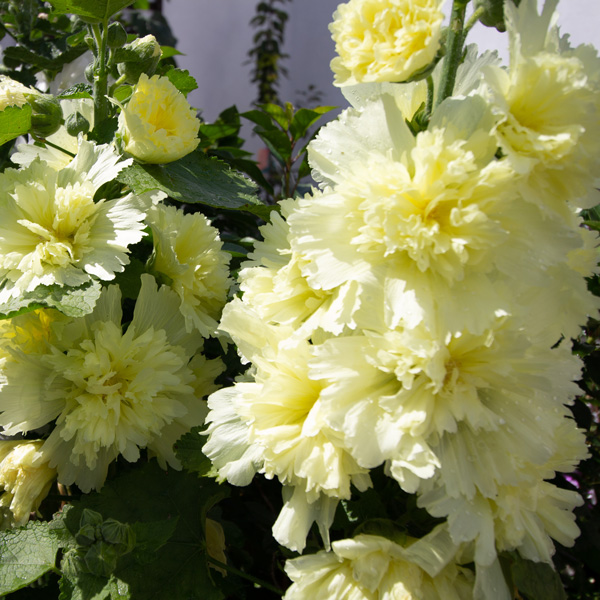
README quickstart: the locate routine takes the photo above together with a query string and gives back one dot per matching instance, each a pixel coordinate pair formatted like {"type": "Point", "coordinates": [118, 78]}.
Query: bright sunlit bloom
{"type": "Point", "coordinates": [53, 232]}
{"type": "Point", "coordinates": [157, 125]}
{"type": "Point", "coordinates": [547, 109]}
{"type": "Point", "coordinates": [274, 425]}
{"type": "Point", "coordinates": [24, 481]}
{"type": "Point", "coordinates": [369, 567]}
{"type": "Point", "coordinates": [110, 392]}
{"type": "Point", "coordinates": [13, 93]}
{"type": "Point", "coordinates": [188, 255]}
{"type": "Point", "coordinates": [384, 40]}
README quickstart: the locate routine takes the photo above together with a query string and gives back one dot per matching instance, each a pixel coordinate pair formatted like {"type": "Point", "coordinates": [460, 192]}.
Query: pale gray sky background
{"type": "Point", "coordinates": [215, 36]}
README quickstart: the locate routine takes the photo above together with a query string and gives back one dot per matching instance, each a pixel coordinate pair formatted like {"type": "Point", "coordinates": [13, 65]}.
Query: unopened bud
{"type": "Point", "coordinates": [140, 56]}
{"type": "Point", "coordinates": [46, 115]}
{"type": "Point", "coordinates": [76, 123]}
{"type": "Point", "coordinates": [116, 35]}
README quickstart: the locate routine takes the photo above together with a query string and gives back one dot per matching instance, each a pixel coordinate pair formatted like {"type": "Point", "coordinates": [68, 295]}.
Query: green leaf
{"type": "Point", "coordinates": [52, 56]}
{"type": "Point", "coordinates": [180, 501]}
{"type": "Point", "coordinates": [260, 118]}
{"type": "Point", "coordinates": [304, 118]}
{"type": "Point", "coordinates": [73, 302]}
{"type": "Point", "coordinates": [99, 10]}
{"type": "Point", "coordinates": [182, 80]}
{"type": "Point", "coordinates": [278, 143]}
{"type": "Point", "coordinates": [79, 90]}
{"type": "Point", "coordinates": [537, 580]}
{"type": "Point", "coordinates": [14, 121]}
{"type": "Point", "coordinates": [189, 451]}
{"type": "Point", "coordinates": [169, 51]}
{"type": "Point", "coordinates": [281, 115]}
{"type": "Point", "coordinates": [194, 179]}
{"type": "Point", "coordinates": [25, 555]}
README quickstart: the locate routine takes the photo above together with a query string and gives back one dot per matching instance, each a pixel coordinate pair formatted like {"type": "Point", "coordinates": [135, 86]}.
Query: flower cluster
{"type": "Point", "coordinates": [413, 311]}
{"type": "Point", "coordinates": [99, 378]}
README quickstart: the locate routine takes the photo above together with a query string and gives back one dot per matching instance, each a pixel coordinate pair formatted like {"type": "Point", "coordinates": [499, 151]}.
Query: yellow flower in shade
{"type": "Point", "coordinates": [12, 93]}
{"type": "Point", "coordinates": [157, 125]}
{"type": "Point", "coordinates": [215, 543]}
{"type": "Point", "coordinates": [384, 40]}
{"type": "Point", "coordinates": [110, 392]}
{"type": "Point", "coordinates": [24, 479]}
{"type": "Point", "coordinates": [54, 232]}
{"type": "Point", "coordinates": [188, 251]}
{"type": "Point", "coordinates": [369, 567]}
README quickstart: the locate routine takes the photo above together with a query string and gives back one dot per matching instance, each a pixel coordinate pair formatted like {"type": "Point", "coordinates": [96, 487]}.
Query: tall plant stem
{"type": "Point", "coordinates": [100, 75]}
{"type": "Point", "coordinates": [454, 47]}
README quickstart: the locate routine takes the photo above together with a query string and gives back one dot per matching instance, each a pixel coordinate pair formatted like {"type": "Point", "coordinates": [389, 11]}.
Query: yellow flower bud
{"type": "Point", "coordinates": [25, 481]}
{"type": "Point", "coordinates": [158, 125]}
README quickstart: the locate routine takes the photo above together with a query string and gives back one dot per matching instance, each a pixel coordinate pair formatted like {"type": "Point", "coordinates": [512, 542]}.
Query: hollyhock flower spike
{"type": "Point", "coordinates": [110, 392]}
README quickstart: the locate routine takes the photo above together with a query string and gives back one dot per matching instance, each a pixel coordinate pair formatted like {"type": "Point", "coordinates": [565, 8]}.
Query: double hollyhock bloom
{"type": "Point", "coordinates": [408, 313]}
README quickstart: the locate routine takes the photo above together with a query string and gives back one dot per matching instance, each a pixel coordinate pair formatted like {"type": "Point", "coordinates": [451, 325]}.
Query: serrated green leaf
{"type": "Point", "coordinates": [279, 114]}
{"type": "Point", "coordinates": [73, 302]}
{"type": "Point", "coordinates": [194, 179]}
{"type": "Point", "coordinates": [86, 586]}
{"type": "Point", "coordinates": [189, 451]}
{"type": "Point", "coordinates": [182, 80]}
{"type": "Point", "coordinates": [51, 56]}
{"type": "Point", "coordinates": [91, 9]}
{"type": "Point", "coordinates": [260, 118]}
{"type": "Point", "coordinates": [278, 143]}
{"type": "Point", "coordinates": [14, 121]}
{"type": "Point", "coordinates": [537, 580]}
{"type": "Point", "coordinates": [140, 497]}
{"type": "Point", "coordinates": [25, 555]}
{"type": "Point", "coordinates": [80, 90]}
{"type": "Point", "coordinates": [169, 51]}
{"type": "Point", "coordinates": [304, 118]}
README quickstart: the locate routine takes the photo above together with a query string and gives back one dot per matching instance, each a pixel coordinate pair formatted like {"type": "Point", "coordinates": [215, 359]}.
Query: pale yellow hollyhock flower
{"type": "Point", "coordinates": [52, 230]}
{"type": "Point", "coordinates": [369, 567]}
{"type": "Point", "coordinates": [384, 40]}
{"type": "Point", "coordinates": [12, 93]}
{"type": "Point", "coordinates": [547, 110]}
{"type": "Point", "coordinates": [188, 255]}
{"type": "Point", "coordinates": [157, 125]}
{"type": "Point", "coordinates": [110, 391]}
{"type": "Point", "coordinates": [25, 482]}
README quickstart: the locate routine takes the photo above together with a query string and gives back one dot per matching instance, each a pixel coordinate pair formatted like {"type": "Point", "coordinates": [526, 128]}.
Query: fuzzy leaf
{"type": "Point", "coordinates": [73, 302]}
{"type": "Point", "coordinates": [189, 451]}
{"type": "Point", "coordinates": [14, 121]}
{"type": "Point", "coordinates": [182, 80]}
{"type": "Point", "coordinates": [175, 550]}
{"type": "Point", "coordinates": [99, 10]}
{"type": "Point", "coordinates": [537, 580]}
{"type": "Point", "coordinates": [194, 179]}
{"type": "Point", "coordinates": [25, 555]}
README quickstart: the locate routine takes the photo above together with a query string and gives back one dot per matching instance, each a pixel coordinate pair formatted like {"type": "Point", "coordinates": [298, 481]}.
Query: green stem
{"type": "Point", "coordinates": [454, 46]}
{"type": "Point", "coordinates": [116, 84]}
{"type": "Point", "coordinates": [47, 143]}
{"type": "Point", "coordinates": [234, 571]}
{"type": "Point", "coordinates": [430, 94]}
{"type": "Point", "coordinates": [101, 75]}
{"type": "Point", "coordinates": [473, 19]}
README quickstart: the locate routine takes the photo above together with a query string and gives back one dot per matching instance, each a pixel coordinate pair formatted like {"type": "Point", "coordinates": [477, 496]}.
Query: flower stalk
{"type": "Point", "coordinates": [455, 42]}
{"type": "Point", "coordinates": [100, 84]}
